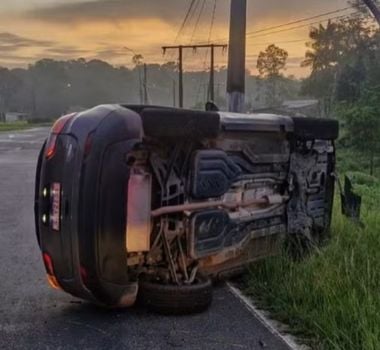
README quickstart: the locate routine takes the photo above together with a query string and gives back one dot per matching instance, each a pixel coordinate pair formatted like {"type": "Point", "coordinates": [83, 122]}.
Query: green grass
{"type": "Point", "coordinates": [351, 160]}
{"type": "Point", "coordinates": [331, 299]}
{"type": "Point", "coordinates": [15, 126]}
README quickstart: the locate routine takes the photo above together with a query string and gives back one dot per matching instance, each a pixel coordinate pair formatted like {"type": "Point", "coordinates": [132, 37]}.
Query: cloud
{"type": "Point", "coordinates": [11, 57]}
{"type": "Point", "coordinates": [11, 42]}
{"type": "Point", "coordinates": [66, 51]}
{"type": "Point", "coordinates": [12, 49]}
{"type": "Point", "coordinates": [107, 52]}
{"type": "Point", "coordinates": [171, 11]}
{"type": "Point", "coordinates": [107, 10]}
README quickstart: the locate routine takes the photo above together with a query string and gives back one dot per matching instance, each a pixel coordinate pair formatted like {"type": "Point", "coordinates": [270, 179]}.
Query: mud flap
{"type": "Point", "coordinates": [351, 202]}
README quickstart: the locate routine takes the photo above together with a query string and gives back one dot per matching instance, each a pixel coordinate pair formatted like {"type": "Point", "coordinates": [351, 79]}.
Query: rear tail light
{"type": "Point", "coordinates": [88, 144]}
{"type": "Point", "coordinates": [55, 131]}
{"type": "Point", "coordinates": [83, 274]}
{"type": "Point", "coordinates": [53, 282]}
{"type": "Point", "coordinates": [50, 271]}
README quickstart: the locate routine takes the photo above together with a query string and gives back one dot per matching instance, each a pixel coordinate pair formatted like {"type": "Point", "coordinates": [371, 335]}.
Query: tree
{"type": "Point", "coordinates": [371, 6]}
{"type": "Point", "coordinates": [137, 59]}
{"type": "Point", "coordinates": [339, 56]}
{"type": "Point", "coordinates": [270, 63]}
{"type": "Point", "coordinates": [49, 88]}
{"type": "Point", "coordinates": [324, 47]}
{"type": "Point", "coordinates": [363, 124]}
{"type": "Point", "coordinates": [9, 84]}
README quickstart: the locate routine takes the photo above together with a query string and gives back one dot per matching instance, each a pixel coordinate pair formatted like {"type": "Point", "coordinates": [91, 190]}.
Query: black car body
{"type": "Point", "coordinates": [126, 194]}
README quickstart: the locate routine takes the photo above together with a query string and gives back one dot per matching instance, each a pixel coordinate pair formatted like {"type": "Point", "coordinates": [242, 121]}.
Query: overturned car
{"type": "Point", "coordinates": [154, 203]}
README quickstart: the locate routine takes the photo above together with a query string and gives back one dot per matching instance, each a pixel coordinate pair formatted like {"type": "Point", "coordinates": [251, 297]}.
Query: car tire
{"type": "Point", "coordinates": [315, 128]}
{"type": "Point", "coordinates": [180, 123]}
{"type": "Point", "coordinates": [174, 299]}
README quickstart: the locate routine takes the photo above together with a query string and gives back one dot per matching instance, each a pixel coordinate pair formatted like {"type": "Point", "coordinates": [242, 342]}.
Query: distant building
{"type": "Point", "coordinates": [11, 117]}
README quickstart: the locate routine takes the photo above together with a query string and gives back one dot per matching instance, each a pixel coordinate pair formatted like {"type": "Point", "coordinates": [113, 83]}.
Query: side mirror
{"type": "Point", "coordinates": [211, 107]}
{"type": "Point", "coordinates": [351, 202]}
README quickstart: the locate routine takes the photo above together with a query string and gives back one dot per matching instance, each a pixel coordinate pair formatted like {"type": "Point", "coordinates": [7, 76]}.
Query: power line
{"type": "Point", "coordinates": [212, 22]}
{"type": "Point", "coordinates": [301, 26]}
{"type": "Point", "coordinates": [300, 20]}
{"type": "Point", "coordinates": [211, 87]}
{"type": "Point", "coordinates": [188, 16]}
{"type": "Point", "coordinates": [193, 13]}
{"type": "Point", "coordinates": [262, 31]}
{"type": "Point", "coordinates": [207, 53]}
{"type": "Point", "coordinates": [281, 42]}
{"type": "Point", "coordinates": [189, 10]}
{"type": "Point", "coordinates": [197, 22]}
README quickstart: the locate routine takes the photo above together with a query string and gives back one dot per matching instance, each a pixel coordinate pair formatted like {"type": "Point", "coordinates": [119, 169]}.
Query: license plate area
{"type": "Point", "coordinates": [55, 206]}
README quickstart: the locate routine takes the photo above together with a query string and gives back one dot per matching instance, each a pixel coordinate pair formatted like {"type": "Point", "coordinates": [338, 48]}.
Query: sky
{"type": "Point", "coordinates": [112, 30]}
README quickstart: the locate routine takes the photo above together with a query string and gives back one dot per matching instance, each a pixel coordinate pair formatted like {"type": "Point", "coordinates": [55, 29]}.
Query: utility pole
{"type": "Point", "coordinates": [174, 93]}
{"type": "Point", "coordinates": [145, 85]}
{"type": "Point", "coordinates": [141, 93]}
{"type": "Point", "coordinates": [137, 60]}
{"type": "Point", "coordinates": [180, 49]}
{"type": "Point", "coordinates": [374, 9]}
{"type": "Point", "coordinates": [180, 81]}
{"type": "Point", "coordinates": [236, 56]}
{"type": "Point", "coordinates": [212, 75]}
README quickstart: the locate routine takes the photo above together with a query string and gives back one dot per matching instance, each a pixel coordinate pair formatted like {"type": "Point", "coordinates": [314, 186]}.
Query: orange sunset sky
{"type": "Point", "coordinates": [68, 29]}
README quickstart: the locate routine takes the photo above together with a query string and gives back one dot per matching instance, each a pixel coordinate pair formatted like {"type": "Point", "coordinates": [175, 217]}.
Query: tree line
{"type": "Point", "coordinates": [343, 57]}
{"type": "Point", "coordinates": [50, 88]}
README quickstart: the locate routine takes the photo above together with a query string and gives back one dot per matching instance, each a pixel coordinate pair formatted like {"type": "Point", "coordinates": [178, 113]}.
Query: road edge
{"type": "Point", "coordinates": [267, 323]}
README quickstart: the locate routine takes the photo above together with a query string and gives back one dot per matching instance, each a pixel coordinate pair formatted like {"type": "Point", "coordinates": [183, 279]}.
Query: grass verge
{"type": "Point", "coordinates": [331, 299]}
{"type": "Point", "coordinates": [4, 127]}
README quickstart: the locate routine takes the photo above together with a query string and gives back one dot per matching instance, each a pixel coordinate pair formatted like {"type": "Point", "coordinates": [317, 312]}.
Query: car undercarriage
{"type": "Point", "coordinates": [219, 204]}
{"type": "Point", "coordinates": [155, 202]}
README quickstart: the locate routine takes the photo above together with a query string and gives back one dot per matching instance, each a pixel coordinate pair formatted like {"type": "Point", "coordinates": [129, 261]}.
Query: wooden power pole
{"type": "Point", "coordinates": [212, 74]}
{"type": "Point", "coordinates": [174, 93]}
{"type": "Point", "coordinates": [236, 56]}
{"type": "Point", "coordinates": [180, 49]}
{"type": "Point", "coordinates": [145, 85]}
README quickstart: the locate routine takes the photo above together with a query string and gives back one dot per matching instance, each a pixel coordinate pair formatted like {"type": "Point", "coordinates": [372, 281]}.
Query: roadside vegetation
{"type": "Point", "coordinates": [331, 299]}
{"type": "Point", "coordinates": [16, 126]}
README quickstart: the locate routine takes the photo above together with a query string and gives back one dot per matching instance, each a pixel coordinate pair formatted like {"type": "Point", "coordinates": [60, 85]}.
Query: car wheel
{"type": "Point", "coordinates": [176, 299]}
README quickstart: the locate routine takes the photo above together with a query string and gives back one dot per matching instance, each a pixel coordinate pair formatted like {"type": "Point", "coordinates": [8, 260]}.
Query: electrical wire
{"type": "Point", "coordinates": [188, 13]}
{"type": "Point", "coordinates": [188, 16]}
{"type": "Point", "coordinates": [301, 26]}
{"type": "Point", "coordinates": [207, 51]}
{"type": "Point", "coordinates": [197, 22]}
{"type": "Point", "coordinates": [212, 22]}
{"type": "Point", "coordinates": [262, 32]}
{"type": "Point", "coordinates": [281, 42]}
{"type": "Point", "coordinates": [300, 20]}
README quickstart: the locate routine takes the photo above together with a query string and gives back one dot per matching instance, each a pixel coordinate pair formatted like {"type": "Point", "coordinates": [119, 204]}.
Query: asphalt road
{"type": "Point", "coordinates": [33, 316]}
